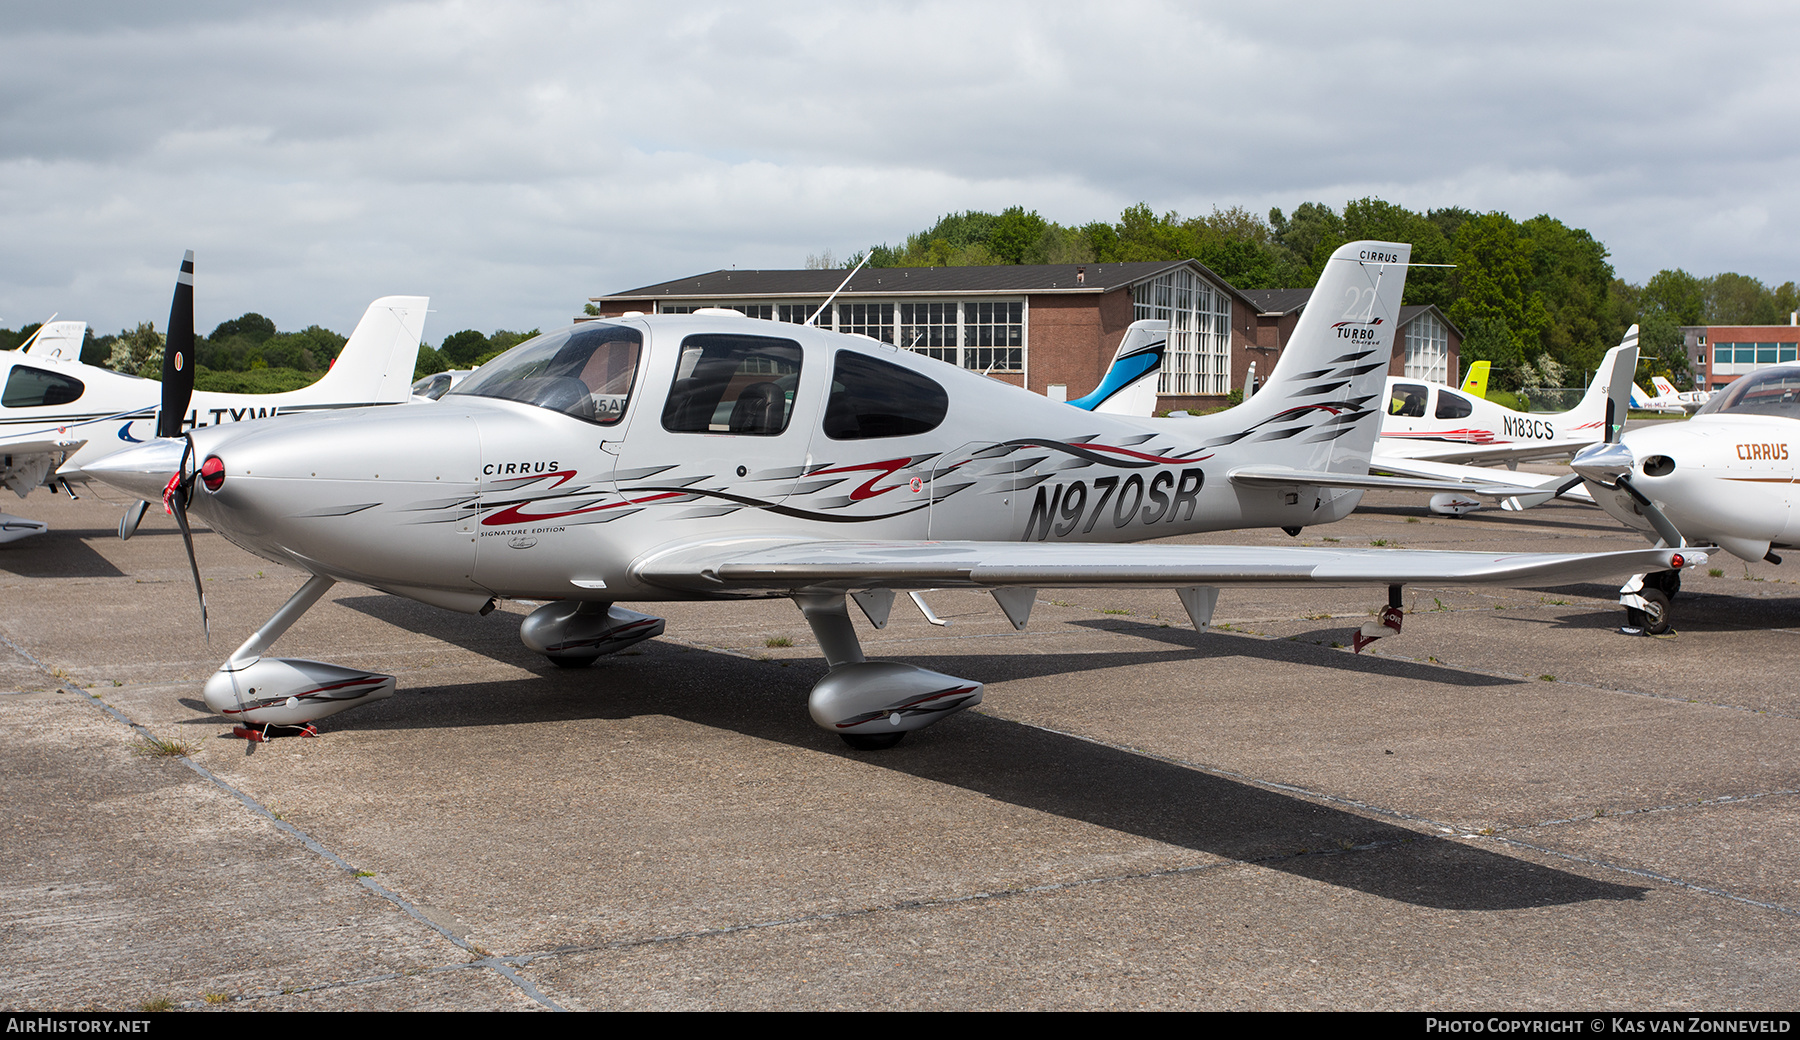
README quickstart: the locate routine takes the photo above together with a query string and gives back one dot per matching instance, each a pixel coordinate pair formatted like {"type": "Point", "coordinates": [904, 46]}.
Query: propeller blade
{"type": "Point", "coordinates": [1666, 530]}
{"type": "Point", "coordinates": [1568, 485]}
{"type": "Point", "coordinates": [178, 354]}
{"type": "Point", "coordinates": [175, 499]}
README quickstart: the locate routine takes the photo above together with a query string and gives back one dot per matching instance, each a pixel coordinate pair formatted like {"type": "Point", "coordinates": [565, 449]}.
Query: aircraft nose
{"type": "Point", "coordinates": [143, 471]}
{"type": "Point", "coordinates": [1603, 463]}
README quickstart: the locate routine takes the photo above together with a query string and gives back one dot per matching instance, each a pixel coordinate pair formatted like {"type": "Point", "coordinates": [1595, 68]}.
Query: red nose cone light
{"type": "Point", "coordinates": [212, 473]}
{"type": "Point", "coordinates": [1676, 562]}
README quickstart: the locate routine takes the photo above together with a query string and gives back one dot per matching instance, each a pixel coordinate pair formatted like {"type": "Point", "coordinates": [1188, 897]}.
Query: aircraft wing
{"type": "Point", "coordinates": [1394, 449]}
{"type": "Point", "coordinates": [1468, 480]}
{"type": "Point", "coordinates": [724, 566]}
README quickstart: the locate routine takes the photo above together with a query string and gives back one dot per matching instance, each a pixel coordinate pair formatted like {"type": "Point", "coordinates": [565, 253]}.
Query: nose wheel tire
{"type": "Point", "coordinates": [1654, 618]}
{"type": "Point", "coordinates": [572, 662]}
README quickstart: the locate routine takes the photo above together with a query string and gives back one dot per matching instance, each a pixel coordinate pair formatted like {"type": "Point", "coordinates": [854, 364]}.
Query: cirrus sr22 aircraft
{"type": "Point", "coordinates": [707, 456]}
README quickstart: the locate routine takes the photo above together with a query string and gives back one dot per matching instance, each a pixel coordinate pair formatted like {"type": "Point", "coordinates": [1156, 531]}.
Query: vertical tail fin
{"type": "Point", "coordinates": [376, 364]}
{"type": "Point", "coordinates": [58, 341]}
{"type": "Point", "coordinates": [1129, 385]}
{"type": "Point", "coordinates": [1476, 384]}
{"type": "Point", "coordinates": [1608, 398]}
{"type": "Point", "coordinates": [1664, 388]}
{"type": "Point", "coordinates": [1320, 408]}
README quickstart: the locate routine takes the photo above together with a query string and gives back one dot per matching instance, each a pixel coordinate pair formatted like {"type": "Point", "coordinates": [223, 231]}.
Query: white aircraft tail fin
{"type": "Point", "coordinates": [376, 364]}
{"type": "Point", "coordinates": [58, 341]}
{"type": "Point", "coordinates": [1608, 398]}
{"type": "Point", "coordinates": [1664, 388]}
{"type": "Point", "coordinates": [1129, 385]}
{"type": "Point", "coordinates": [1639, 398]}
{"type": "Point", "coordinates": [1320, 407]}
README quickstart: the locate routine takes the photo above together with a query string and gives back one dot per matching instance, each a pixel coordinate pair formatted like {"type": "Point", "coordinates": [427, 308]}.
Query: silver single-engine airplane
{"type": "Point", "coordinates": [709, 456]}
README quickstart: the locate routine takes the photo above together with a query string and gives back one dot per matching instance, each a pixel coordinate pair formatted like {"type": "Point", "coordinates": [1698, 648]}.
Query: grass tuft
{"type": "Point", "coordinates": [157, 747]}
{"type": "Point", "coordinates": [778, 641]}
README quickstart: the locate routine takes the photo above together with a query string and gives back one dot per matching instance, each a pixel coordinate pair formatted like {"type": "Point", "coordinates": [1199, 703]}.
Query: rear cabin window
{"type": "Point", "coordinates": [873, 398]}
{"type": "Point", "coordinates": [1453, 406]}
{"type": "Point", "coordinates": [34, 387]}
{"type": "Point", "coordinates": [727, 383]}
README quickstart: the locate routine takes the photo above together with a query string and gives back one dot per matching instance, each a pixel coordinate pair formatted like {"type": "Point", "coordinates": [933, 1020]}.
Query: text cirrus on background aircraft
{"type": "Point", "coordinates": [57, 414]}
{"type": "Point", "coordinates": [677, 457]}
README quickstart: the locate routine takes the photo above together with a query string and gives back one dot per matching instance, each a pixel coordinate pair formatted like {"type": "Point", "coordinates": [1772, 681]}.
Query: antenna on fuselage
{"type": "Point", "coordinates": [839, 289]}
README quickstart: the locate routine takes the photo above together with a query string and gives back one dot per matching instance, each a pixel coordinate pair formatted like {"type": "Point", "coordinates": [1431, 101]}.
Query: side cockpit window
{"type": "Point", "coordinates": [727, 383]}
{"type": "Point", "coordinates": [33, 387]}
{"type": "Point", "coordinates": [586, 371]}
{"type": "Point", "coordinates": [1453, 406]}
{"type": "Point", "coordinates": [873, 398]}
{"type": "Point", "coordinates": [1408, 400]}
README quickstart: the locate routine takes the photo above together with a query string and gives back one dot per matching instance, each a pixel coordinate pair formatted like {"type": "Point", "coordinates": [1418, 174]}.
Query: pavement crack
{"type": "Point", "coordinates": [312, 844]}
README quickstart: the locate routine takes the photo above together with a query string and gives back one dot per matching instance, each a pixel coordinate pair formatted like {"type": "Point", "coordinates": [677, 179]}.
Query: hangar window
{"type": "Point", "coordinates": [34, 387]}
{"type": "Point", "coordinates": [585, 371]}
{"type": "Point", "coordinates": [873, 398]}
{"type": "Point", "coordinates": [1198, 359]}
{"type": "Point", "coordinates": [1427, 350]}
{"type": "Point", "coordinates": [726, 383]}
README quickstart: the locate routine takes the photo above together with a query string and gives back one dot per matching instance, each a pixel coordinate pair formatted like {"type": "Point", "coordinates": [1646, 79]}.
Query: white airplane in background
{"type": "Point", "coordinates": [57, 414]}
{"type": "Point", "coordinates": [1433, 432]}
{"type": "Point", "coordinates": [1725, 477]}
{"type": "Point", "coordinates": [1668, 399]}
{"type": "Point", "coordinates": [705, 456]}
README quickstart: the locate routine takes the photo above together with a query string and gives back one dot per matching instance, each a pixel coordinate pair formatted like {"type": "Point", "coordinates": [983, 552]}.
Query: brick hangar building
{"type": "Point", "coordinates": [1050, 328]}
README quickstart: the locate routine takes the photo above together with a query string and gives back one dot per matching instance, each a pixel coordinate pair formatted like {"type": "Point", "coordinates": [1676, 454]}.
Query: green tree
{"type": "Point", "coordinates": [1492, 286]}
{"type": "Point", "coordinates": [462, 348]}
{"type": "Point", "coordinates": [135, 350]}
{"type": "Point", "coordinates": [252, 326]}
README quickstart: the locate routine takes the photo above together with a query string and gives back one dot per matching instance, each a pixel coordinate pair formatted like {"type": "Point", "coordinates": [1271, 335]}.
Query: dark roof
{"type": "Point", "coordinates": [1286, 301]}
{"type": "Point", "coordinates": [1277, 301]}
{"type": "Point", "coordinates": [907, 281]}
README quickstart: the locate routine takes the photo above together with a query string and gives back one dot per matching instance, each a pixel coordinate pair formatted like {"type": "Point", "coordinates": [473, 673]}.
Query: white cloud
{"type": "Point", "coordinates": [513, 159]}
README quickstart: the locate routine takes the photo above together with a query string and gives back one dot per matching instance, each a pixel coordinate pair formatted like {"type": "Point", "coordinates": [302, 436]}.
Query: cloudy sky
{"type": "Point", "coordinates": [511, 160]}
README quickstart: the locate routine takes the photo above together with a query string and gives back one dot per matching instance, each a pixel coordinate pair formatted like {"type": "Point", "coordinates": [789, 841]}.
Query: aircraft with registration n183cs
{"type": "Point", "coordinates": [1436, 433]}
{"type": "Point", "coordinates": [707, 456]}
{"type": "Point", "coordinates": [57, 414]}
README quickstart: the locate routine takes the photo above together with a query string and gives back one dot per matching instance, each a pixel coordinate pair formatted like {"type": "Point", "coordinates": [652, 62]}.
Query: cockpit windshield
{"type": "Point", "coordinates": [585, 371]}
{"type": "Point", "coordinates": [1772, 391]}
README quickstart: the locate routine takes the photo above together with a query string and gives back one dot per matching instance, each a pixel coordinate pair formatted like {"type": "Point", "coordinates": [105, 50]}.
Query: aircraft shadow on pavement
{"type": "Point", "coordinates": [58, 554]}
{"type": "Point", "coordinates": [1011, 762]}
{"type": "Point", "coordinates": [1303, 648]}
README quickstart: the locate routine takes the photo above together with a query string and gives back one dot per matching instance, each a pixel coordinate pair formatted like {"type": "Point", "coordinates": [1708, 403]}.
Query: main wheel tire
{"type": "Point", "coordinates": [573, 662]}
{"type": "Point", "coordinates": [1668, 581]}
{"type": "Point", "coordinates": [1656, 619]}
{"type": "Point", "coordinates": [872, 741]}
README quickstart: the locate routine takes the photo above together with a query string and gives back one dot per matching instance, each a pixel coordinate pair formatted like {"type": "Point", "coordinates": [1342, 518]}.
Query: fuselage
{"type": "Point", "coordinates": [1423, 418]}
{"type": "Point", "coordinates": [552, 471]}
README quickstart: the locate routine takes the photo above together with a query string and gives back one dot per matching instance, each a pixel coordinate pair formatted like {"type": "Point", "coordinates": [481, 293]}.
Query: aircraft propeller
{"type": "Point", "coordinates": [177, 391]}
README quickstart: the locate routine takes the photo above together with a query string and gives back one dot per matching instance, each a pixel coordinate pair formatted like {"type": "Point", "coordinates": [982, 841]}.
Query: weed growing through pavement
{"type": "Point", "coordinates": [157, 747]}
